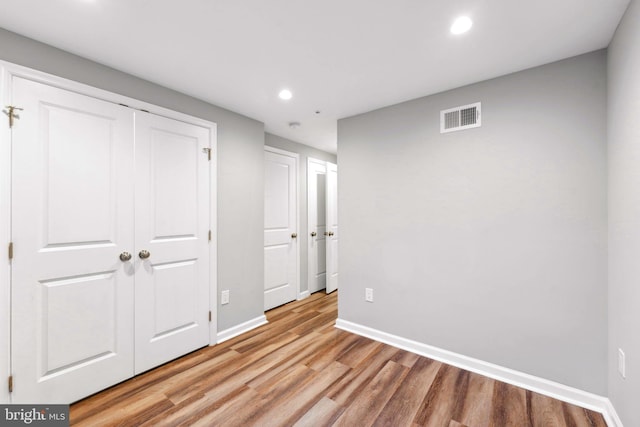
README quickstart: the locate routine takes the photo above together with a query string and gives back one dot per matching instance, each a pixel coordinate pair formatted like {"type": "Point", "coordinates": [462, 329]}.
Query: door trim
{"type": "Point", "coordinates": [9, 70]}
{"type": "Point", "coordinates": [295, 156]}
{"type": "Point", "coordinates": [5, 238]}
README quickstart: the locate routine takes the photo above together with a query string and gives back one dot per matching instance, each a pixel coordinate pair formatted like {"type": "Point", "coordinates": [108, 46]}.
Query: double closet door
{"type": "Point", "coordinates": [322, 211]}
{"type": "Point", "coordinates": [110, 225]}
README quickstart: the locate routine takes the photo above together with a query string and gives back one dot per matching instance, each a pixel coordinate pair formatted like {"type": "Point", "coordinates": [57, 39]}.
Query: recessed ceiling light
{"type": "Point", "coordinates": [285, 94]}
{"type": "Point", "coordinates": [294, 125]}
{"type": "Point", "coordinates": [461, 25]}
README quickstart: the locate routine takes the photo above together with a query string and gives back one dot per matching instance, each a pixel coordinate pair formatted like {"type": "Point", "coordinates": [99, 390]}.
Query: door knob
{"type": "Point", "coordinates": [294, 235]}
{"type": "Point", "coordinates": [144, 254]}
{"type": "Point", "coordinates": [125, 256]}
{"type": "Point", "coordinates": [331, 233]}
{"type": "Point", "coordinates": [314, 234]}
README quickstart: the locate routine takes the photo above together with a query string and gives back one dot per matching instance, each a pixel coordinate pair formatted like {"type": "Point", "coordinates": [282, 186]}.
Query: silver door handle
{"type": "Point", "coordinates": [125, 256]}
{"type": "Point", "coordinates": [144, 254]}
{"type": "Point", "coordinates": [314, 234]}
{"type": "Point", "coordinates": [331, 233]}
{"type": "Point", "coordinates": [294, 235]}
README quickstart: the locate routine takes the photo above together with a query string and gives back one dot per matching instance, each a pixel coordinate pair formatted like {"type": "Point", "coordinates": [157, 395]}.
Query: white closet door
{"type": "Point", "coordinates": [72, 217]}
{"type": "Point", "coordinates": [280, 227]}
{"type": "Point", "coordinates": [172, 225]}
{"type": "Point", "coordinates": [317, 224]}
{"type": "Point", "coordinates": [332, 227]}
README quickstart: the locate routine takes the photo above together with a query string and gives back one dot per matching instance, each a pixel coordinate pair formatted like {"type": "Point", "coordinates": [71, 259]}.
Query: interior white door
{"type": "Point", "coordinates": [317, 224]}
{"type": "Point", "coordinates": [332, 227]}
{"type": "Point", "coordinates": [72, 218]}
{"type": "Point", "coordinates": [280, 228]}
{"type": "Point", "coordinates": [172, 228]}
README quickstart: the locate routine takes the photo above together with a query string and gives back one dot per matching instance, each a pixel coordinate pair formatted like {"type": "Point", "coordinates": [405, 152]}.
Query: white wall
{"type": "Point", "coordinates": [624, 214]}
{"type": "Point", "coordinates": [240, 167]}
{"type": "Point", "coordinates": [488, 242]}
{"type": "Point", "coordinates": [305, 152]}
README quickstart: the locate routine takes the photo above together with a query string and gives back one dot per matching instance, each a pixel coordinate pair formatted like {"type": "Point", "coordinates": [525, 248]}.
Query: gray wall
{"type": "Point", "coordinates": [624, 214]}
{"type": "Point", "coordinates": [305, 152]}
{"type": "Point", "coordinates": [240, 167]}
{"type": "Point", "coordinates": [489, 242]}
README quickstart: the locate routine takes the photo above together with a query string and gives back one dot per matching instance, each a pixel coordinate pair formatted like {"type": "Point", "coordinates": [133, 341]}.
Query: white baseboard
{"type": "Point", "coordinates": [303, 295]}
{"type": "Point", "coordinates": [234, 331]}
{"type": "Point", "coordinates": [520, 379]}
{"type": "Point", "coordinates": [611, 416]}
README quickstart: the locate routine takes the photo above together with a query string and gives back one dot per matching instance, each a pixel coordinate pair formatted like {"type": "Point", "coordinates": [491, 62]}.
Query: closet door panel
{"type": "Point", "coordinates": [72, 217]}
{"type": "Point", "coordinates": [172, 226]}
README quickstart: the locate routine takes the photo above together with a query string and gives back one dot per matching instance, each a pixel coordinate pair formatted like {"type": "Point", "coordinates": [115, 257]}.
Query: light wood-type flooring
{"type": "Point", "coordinates": [299, 370]}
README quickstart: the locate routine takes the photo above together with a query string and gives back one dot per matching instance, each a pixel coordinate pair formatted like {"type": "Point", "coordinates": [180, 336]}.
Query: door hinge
{"type": "Point", "coordinates": [11, 115]}
{"type": "Point", "coordinates": [209, 315]}
{"type": "Point", "coordinates": [209, 235]}
{"type": "Point", "coordinates": [208, 151]}
{"type": "Point", "coordinates": [10, 250]}
{"type": "Point", "coordinates": [10, 383]}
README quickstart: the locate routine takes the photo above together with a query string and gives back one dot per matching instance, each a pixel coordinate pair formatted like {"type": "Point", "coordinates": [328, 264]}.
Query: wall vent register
{"type": "Point", "coordinates": [460, 118]}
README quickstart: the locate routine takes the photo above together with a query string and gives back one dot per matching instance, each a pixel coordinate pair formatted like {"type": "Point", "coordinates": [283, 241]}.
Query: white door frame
{"type": "Point", "coordinates": [296, 157]}
{"type": "Point", "coordinates": [7, 71]}
{"type": "Point", "coordinates": [5, 236]}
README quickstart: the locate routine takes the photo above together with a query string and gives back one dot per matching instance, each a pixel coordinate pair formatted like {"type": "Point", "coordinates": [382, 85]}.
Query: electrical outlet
{"type": "Point", "coordinates": [621, 363]}
{"type": "Point", "coordinates": [224, 299]}
{"type": "Point", "coordinates": [368, 294]}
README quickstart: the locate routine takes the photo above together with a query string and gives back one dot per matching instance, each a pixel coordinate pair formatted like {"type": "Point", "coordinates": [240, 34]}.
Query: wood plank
{"type": "Point", "coordinates": [324, 413]}
{"type": "Point", "coordinates": [403, 405]}
{"type": "Point", "coordinates": [546, 411]}
{"type": "Point", "coordinates": [294, 355]}
{"type": "Point", "coordinates": [292, 403]}
{"type": "Point", "coordinates": [576, 416]}
{"type": "Point", "coordinates": [132, 412]}
{"type": "Point", "coordinates": [476, 410]}
{"type": "Point", "coordinates": [364, 410]}
{"type": "Point", "coordinates": [406, 358]}
{"type": "Point", "coordinates": [444, 400]}
{"type": "Point", "coordinates": [120, 393]}
{"type": "Point", "coordinates": [233, 374]}
{"type": "Point", "coordinates": [509, 406]}
{"type": "Point", "coordinates": [339, 343]}
{"type": "Point", "coordinates": [351, 385]}
{"type": "Point", "coordinates": [359, 352]}
{"type": "Point", "coordinates": [233, 411]}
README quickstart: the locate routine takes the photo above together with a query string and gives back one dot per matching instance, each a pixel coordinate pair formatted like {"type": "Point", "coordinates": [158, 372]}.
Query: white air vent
{"type": "Point", "coordinates": [459, 118]}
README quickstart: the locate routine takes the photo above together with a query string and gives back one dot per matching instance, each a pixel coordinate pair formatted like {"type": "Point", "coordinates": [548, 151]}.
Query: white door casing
{"type": "Point", "coordinates": [316, 224]}
{"type": "Point", "coordinates": [5, 232]}
{"type": "Point", "coordinates": [172, 225]}
{"type": "Point", "coordinates": [72, 214]}
{"type": "Point", "coordinates": [281, 277]}
{"type": "Point", "coordinates": [332, 227]}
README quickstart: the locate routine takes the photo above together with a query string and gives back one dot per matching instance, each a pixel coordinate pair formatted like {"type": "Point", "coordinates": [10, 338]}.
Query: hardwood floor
{"type": "Point", "coordinates": [300, 371]}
